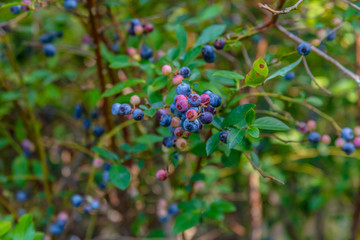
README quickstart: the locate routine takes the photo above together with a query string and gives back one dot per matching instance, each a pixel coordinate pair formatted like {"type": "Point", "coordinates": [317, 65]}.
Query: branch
{"type": "Point", "coordinates": [260, 171]}
{"type": "Point", "coordinates": [321, 54]}
{"type": "Point", "coordinates": [312, 76]}
{"type": "Point", "coordinates": [331, 32]}
{"type": "Point", "coordinates": [352, 5]}
{"type": "Point", "coordinates": [282, 140]}
{"type": "Point", "coordinates": [277, 12]}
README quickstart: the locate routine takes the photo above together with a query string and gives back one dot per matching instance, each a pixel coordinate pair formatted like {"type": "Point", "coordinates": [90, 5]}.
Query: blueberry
{"type": "Point", "coordinates": [314, 137]}
{"type": "Point", "coordinates": [98, 131]}
{"type": "Point", "coordinates": [16, 9]}
{"type": "Point", "coordinates": [206, 117]}
{"type": "Point", "coordinates": [207, 91]}
{"type": "Point", "coordinates": [106, 166]}
{"type": "Point", "coordinates": [94, 114]}
{"type": "Point", "coordinates": [148, 28]}
{"type": "Point", "coordinates": [191, 126]}
{"type": "Point", "coordinates": [194, 100]}
{"type": "Point", "coordinates": [76, 200]}
{"type": "Point", "coordinates": [168, 142]}
{"type": "Point", "coordinates": [134, 22]}
{"type": "Point", "coordinates": [59, 34]}
{"type": "Point", "coordinates": [173, 209]}
{"type": "Point", "coordinates": [208, 54]}
{"type": "Point", "coordinates": [115, 47]}
{"type": "Point", "coordinates": [289, 76]}
{"type": "Point", "coordinates": [70, 4]}
{"type": "Point", "coordinates": [125, 109]}
{"type": "Point", "coordinates": [215, 100]}
{"type": "Point", "coordinates": [61, 223]}
{"type": "Point", "coordinates": [146, 52]}
{"type": "Point", "coordinates": [172, 108]}
{"type": "Point", "coordinates": [304, 48]}
{"type": "Point", "coordinates": [172, 130]}
{"type": "Point", "coordinates": [55, 229]}
{"type": "Point", "coordinates": [348, 148]}
{"type": "Point", "coordinates": [185, 72]}
{"type": "Point", "coordinates": [106, 176]}
{"type": "Point", "coordinates": [86, 123]}
{"type": "Point", "coordinates": [210, 59]}
{"type": "Point", "coordinates": [331, 37]}
{"type": "Point", "coordinates": [209, 109]}
{"type": "Point", "coordinates": [115, 109]}
{"type": "Point", "coordinates": [87, 209]}
{"type": "Point", "coordinates": [223, 136]}
{"type": "Point", "coordinates": [47, 38]}
{"type": "Point", "coordinates": [219, 43]}
{"type": "Point", "coordinates": [138, 114]}
{"type": "Point", "coordinates": [164, 218]}
{"type": "Point", "coordinates": [21, 196]}
{"type": "Point", "coordinates": [347, 134]}
{"type": "Point", "coordinates": [95, 204]}
{"type": "Point", "coordinates": [49, 50]}
{"type": "Point", "coordinates": [183, 89]}
{"type": "Point", "coordinates": [165, 120]}
{"type": "Point", "coordinates": [78, 111]}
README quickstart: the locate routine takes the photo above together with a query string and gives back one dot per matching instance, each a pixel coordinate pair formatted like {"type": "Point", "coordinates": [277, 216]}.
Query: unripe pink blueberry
{"type": "Point", "coordinates": [311, 124]}
{"type": "Point", "coordinates": [161, 175]}
{"type": "Point", "coordinates": [179, 132]}
{"type": "Point", "coordinates": [199, 185]}
{"type": "Point", "coordinates": [177, 79]}
{"type": "Point", "coordinates": [340, 142]}
{"type": "Point", "coordinates": [166, 69]}
{"type": "Point", "coordinates": [98, 162]}
{"type": "Point", "coordinates": [187, 134]}
{"type": "Point", "coordinates": [131, 51]}
{"type": "Point", "coordinates": [138, 29]}
{"type": "Point", "coordinates": [182, 105]}
{"type": "Point", "coordinates": [302, 127]}
{"type": "Point", "coordinates": [191, 115]}
{"type": "Point", "coordinates": [135, 100]}
{"type": "Point", "coordinates": [325, 139]}
{"type": "Point", "coordinates": [63, 216]}
{"type": "Point", "coordinates": [205, 98]}
{"type": "Point", "coordinates": [175, 122]}
{"type": "Point", "coordinates": [357, 130]}
{"type": "Point", "coordinates": [357, 142]}
{"type": "Point", "coordinates": [180, 97]}
{"type": "Point", "coordinates": [181, 143]}
{"type": "Point", "coordinates": [162, 212]}
{"type": "Point", "coordinates": [162, 203]}
{"type": "Point", "coordinates": [148, 28]}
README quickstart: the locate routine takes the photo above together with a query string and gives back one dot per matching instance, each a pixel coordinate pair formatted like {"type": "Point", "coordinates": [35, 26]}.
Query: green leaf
{"type": "Point", "coordinates": [212, 143]}
{"type": "Point", "coordinates": [4, 227]}
{"type": "Point", "coordinates": [5, 14]}
{"type": "Point", "coordinates": [135, 149]}
{"type": "Point", "coordinates": [181, 37]}
{"type": "Point", "coordinates": [315, 101]}
{"type": "Point", "coordinates": [257, 74]}
{"type": "Point", "coordinates": [121, 86]}
{"type": "Point", "coordinates": [150, 138]}
{"type": "Point", "coordinates": [24, 230]}
{"type": "Point", "coordinates": [250, 116]}
{"type": "Point", "coordinates": [119, 176]}
{"type": "Point", "coordinates": [235, 137]}
{"type": "Point", "coordinates": [223, 206]}
{"type": "Point", "coordinates": [185, 221]}
{"type": "Point", "coordinates": [254, 132]}
{"type": "Point", "coordinates": [39, 236]}
{"type": "Point", "coordinates": [210, 33]}
{"type": "Point", "coordinates": [237, 115]}
{"type": "Point", "coordinates": [20, 168]}
{"type": "Point", "coordinates": [255, 159]}
{"type": "Point", "coordinates": [228, 74]}
{"type": "Point", "coordinates": [284, 70]}
{"type": "Point", "coordinates": [170, 97]}
{"type": "Point", "coordinates": [270, 123]}
{"type": "Point", "coordinates": [105, 153]}
{"type": "Point", "coordinates": [191, 55]}
{"type": "Point", "coordinates": [9, 96]}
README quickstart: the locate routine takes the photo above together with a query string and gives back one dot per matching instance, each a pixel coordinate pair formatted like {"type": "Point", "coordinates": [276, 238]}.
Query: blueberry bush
{"type": "Point", "coordinates": [179, 119]}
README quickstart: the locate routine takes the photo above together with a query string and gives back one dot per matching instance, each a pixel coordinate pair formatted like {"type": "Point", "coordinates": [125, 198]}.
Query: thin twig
{"type": "Point", "coordinates": [277, 12]}
{"type": "Point", "coordinates": [312, 76]}
{"type": "Point", "coordinates": [260, 171]}
{"type": "Point", "coordinates": [246, 56]}
{"type": "Point", "coordinates": [282, 140]}
{"type": "Point", "coordinates": [352, 5]}
{"type": "Point", "coordinates": [320, 53]}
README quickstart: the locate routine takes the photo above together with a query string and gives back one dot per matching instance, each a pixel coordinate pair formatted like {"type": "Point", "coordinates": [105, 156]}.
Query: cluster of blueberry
{"type": "Point", "coordinates": [27, 147]}
{"type": "Point", "coordinates": [78, 113]}
{"type": "Point", "coordinates": [92, 205]}
{"type": "Point", "coordinates": [70, 4]}
{"type": "Point", "coordinates": [137, 29]}
{"type": "Point", "coordinates": [208, 51]}
{"type": "Point", "coordinates": [125, 109]}
{"type": "Point", "coordinates": [346, 142]}
{"type": "Point", "coordinates": [164, 212]}
{"type": "Point", "coordinates": [47, 40]}
{"type": "Point", "coordinates": [16, 9]}
{"type": "Point", "coordinates": [57, 228]}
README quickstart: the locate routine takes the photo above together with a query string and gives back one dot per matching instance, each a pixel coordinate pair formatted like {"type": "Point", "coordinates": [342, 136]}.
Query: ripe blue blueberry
{"type": "Point", "coordinates": [16, 9]}
{"type": "Point", "coordinates": [87, 209]}
{"type": "Point", "coordinates": [191, 126]}
{"type": "Point", "coordinates": [55, 229]}
{"type": "Point", "coordinates": [331, 36]}
{"type": "Point", "coordinates": [76, 200]}
{"type": "Point", "coordinates": [208, 54]}
{"type": "Point", "coordinates": [185, 72]}
{"type": "Point", "coordinates": [106, 176]}
{"type": "Point", "coordinates": [86, 123]}
{"type": "Point", "coordinates": [208, 92]}
{"type": "Point", "coordinates": [125, 109]}
{"type": "Point", "coordinates": [146, 52]}
{"type": "Point", "coordinates": [224, 135]}
{"type": "Point", "coordinates": [94, 114]}
{"type": "Point", "coordinates": [173, 209]}
{"type": "Point", "coordinates": [21, 196]}
{"type": "Point", "coordinates": [115, 47]}
{"type": "Point", "coordinates": [194, 100]}
{"type": "Point", "coordinates": [70, 4]}
{"type": "Point", "coordinates": [115, 109]}
{"type": "Point", "coordinates": [49, 50]}
{"type": "Point", "coordinates": [134, 22]}
{"type": "Point", "coordinates": [304, 48]}
{"type": "Point", "coordinates": [206, 117]}
{"type": "Point", "coordinates": [314, 137]}
{"type": "Point", "coordinates": [47, 38]}
{"type": "Point", "coordinates": [289, 76]}
{"type": "Point", "coordinates": [78, 111]}
{"type": "Point", "coordinates": [106, 167]}
{"type": "Point", "coordinates": [164, 219]}
{"type": "Point", "coordinates": [138, 114]}
{"type": "Point", "coordinates": [347, 134]}
{"type": "Point", "coordinates": [95, 204]}
{"type": "Point", "coordinates": [165, 120]}
{"type": "Point", "coordinates": [168, 142]}
{"type": "Point", "coordinates": [61, 223]}
{"type": "Point", "coordinates": [219, 43]}
{"type": "Point", "coordinates": [348, 148]}
{"type": "Point", "coordinates": [209, 109]}
{"type": "Point", "coordinates": [215, 100]}
{"type": "Point", "coordinates": [172, 130]}
{"type": "Point", "coordinates": [98, 131]}
{"type": "Point", "coordinates": [183, 89]}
